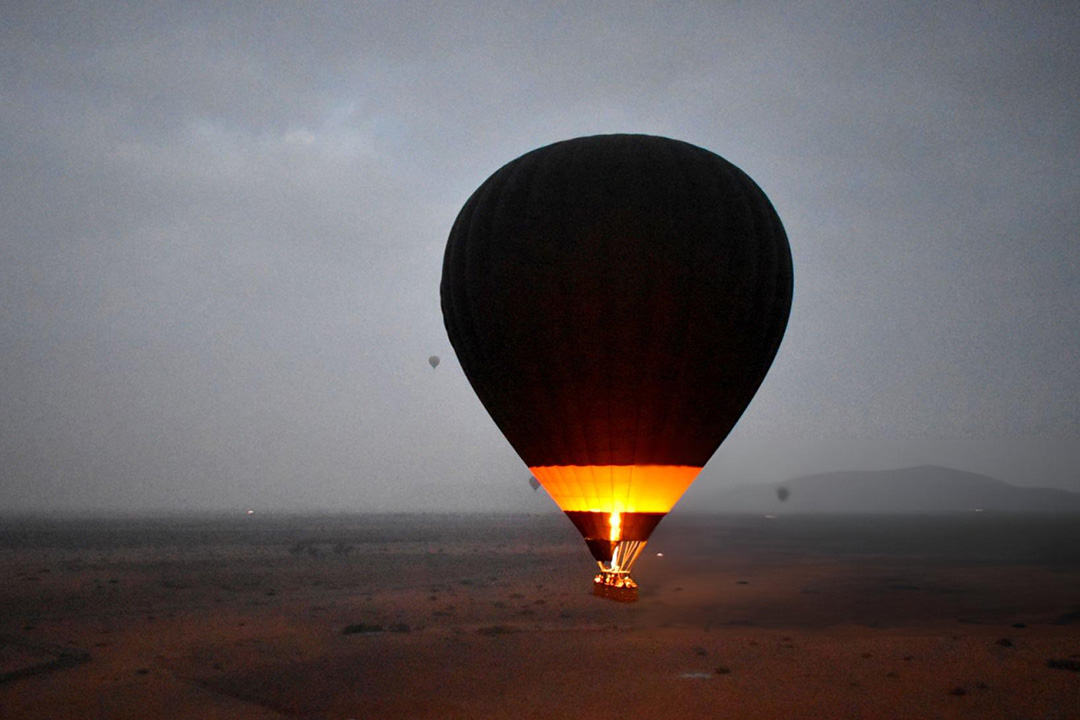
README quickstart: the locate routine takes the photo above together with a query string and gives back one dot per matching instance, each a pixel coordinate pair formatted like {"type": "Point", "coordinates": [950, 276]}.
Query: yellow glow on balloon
{"type": "Point", "coordinates": [616, 488]}
{"type": "Point", "coordinates": [616, 530]}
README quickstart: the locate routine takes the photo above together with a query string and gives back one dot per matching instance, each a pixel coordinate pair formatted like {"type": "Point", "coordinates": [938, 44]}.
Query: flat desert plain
{"type": "Point", "coordinates": [431, 616]}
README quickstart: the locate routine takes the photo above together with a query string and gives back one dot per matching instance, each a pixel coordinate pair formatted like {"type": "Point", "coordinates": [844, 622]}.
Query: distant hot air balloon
{"type": "Point", "coordinates": [534, 483]}
{"type": "Point", "coordinates": [433, 361]}
{"type": "Point", "coordinates": [615, 302]}
{"type": "Point", "coordinates": [782, 493]}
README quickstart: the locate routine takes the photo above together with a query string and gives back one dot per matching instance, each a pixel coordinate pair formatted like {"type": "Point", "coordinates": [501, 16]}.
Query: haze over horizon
{"type": "Point", "coordinates": [223, 235]}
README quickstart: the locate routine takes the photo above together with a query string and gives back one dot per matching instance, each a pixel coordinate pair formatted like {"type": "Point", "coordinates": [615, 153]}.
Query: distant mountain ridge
{"type": "Point", "coordinates": [920, 489]}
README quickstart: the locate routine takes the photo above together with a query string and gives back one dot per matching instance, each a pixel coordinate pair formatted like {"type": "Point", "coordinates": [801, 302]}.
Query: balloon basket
{"type": "Point", "coordinates": [616, 586]}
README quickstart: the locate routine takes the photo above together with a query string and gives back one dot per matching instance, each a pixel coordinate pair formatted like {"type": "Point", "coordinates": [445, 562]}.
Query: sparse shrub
{"type": "Point", "coordinates": [361, 628]}
{"type": "Point", "coordinates": [1072, 665]}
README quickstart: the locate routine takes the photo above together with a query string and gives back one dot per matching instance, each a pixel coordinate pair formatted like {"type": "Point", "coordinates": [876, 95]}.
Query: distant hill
{"type": "Point", "coordinates": [922, 489]}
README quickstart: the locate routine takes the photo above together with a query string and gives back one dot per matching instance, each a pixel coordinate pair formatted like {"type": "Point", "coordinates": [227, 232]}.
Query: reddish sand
{"type": "Point", "coordinates": [493, 617]}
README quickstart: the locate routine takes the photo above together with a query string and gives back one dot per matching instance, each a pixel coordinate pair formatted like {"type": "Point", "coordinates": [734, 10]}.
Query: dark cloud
{"type": "Point", "coordinates": [223, 228]}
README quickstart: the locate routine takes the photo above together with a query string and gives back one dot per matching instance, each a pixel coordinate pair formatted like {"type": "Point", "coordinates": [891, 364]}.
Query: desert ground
{"type": "Point", "coordinates": [430, 616]}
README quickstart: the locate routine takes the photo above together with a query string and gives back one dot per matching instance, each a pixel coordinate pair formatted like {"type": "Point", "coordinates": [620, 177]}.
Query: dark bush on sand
{"type": "Point", "coordinates": [1073, 665]}
{"type": "Point", "coordinates": [361, 628]}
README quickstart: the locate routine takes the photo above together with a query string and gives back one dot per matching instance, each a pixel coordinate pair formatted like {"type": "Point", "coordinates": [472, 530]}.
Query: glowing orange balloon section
{"type": "Point", "coordinates": [616, 508]}
{"type": "Point", "coordinates": [616, 488]}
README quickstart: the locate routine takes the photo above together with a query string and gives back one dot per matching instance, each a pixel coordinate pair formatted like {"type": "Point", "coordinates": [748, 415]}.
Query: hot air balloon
{"type": "Point", "coordinates": [433, 361]}
{"type": "Point", "coordinates": [615, 302]}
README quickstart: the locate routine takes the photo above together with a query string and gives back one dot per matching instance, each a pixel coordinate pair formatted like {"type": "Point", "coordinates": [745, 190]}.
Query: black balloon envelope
{"type": "Point", "coordinates": [616, 301]}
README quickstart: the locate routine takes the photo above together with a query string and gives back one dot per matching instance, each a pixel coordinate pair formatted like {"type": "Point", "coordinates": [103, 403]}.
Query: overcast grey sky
{"type": "Point", "coordinates": [222, 224]}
